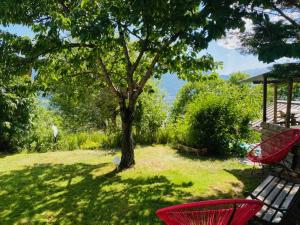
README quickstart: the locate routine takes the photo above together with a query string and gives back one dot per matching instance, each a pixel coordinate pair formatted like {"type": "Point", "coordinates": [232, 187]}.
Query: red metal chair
{"type": "Point", "coordinates": [274, 149]}
{"type": "Point", "coordinates": [212, 212]}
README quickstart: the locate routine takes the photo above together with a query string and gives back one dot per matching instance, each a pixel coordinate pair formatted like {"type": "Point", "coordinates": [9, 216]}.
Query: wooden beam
{"type": "Point", "coordinates": [265, 83]}
{"type": "Point", "coordinates": [289, 103]}
{"type": "Point", "coordinates": [275, 103]}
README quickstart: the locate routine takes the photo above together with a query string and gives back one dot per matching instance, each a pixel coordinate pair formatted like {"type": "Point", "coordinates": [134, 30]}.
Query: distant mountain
{"type": "Point", "coordinates": [171, 83]}
{"type": "Point", "coordinates": [224, 77]}
{"type": "Point", "coordinates": [256, 71]}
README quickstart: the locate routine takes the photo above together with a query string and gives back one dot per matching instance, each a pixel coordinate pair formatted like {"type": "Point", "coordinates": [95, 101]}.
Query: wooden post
{"type": "Point", "coordinates": [289, 103]}
{"type": "Point", "coordinates": [265, 98]}
{"type": "Point", "coordinates": [275, 103]}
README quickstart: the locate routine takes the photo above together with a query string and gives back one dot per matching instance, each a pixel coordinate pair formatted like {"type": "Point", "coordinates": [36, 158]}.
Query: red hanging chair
{"type": "Point", "coordinates": [274, 149]}
{"type": "Point", "coordinates": [212, 212]}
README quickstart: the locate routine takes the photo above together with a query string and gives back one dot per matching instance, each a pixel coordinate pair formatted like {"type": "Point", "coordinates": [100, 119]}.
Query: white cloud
{"type": "Point", "coordinates": [286, 60]}
{"type": "Point", "coordinates": [232, 38]}
{"type": "Point", "coordinates": [292, 15]}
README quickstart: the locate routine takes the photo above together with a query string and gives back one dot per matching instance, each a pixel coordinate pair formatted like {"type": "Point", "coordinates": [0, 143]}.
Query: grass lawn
{"type": "Point", "coordinates": [77, 187]}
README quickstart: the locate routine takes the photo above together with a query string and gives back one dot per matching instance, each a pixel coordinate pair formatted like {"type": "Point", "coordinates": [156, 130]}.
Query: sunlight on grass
{"type": "Point", "coordinates": [78, 187]}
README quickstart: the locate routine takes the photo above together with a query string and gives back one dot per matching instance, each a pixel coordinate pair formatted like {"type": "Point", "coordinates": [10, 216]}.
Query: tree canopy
{"type": "Point", "coordinates": [124, 43]}
{"type": "Point", "coordinates": [276, 30]}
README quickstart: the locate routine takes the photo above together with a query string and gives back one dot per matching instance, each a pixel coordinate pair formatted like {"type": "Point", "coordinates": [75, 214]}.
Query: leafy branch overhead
{"type": "Point", "coordinates": [276, 30]}
{"type": "Point", "coordinates": [167, 37]}
{"type": "Point", "coordinates": [122, 43]}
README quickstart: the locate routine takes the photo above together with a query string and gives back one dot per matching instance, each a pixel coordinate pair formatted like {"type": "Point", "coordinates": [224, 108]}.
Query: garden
{"type": "Point", "coordinates": [87, 135]}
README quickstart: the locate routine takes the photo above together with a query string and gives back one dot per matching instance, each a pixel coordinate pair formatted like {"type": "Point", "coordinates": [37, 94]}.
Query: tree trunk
{"type": "Point", "coordinates": [127, 159]}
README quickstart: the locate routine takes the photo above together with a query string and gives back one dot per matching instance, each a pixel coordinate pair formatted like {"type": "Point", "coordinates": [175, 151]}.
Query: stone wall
{"type": "Point", "coordinates": [269, 129]}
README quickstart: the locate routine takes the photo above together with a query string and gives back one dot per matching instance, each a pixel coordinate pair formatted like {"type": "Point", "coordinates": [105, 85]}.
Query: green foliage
{"type": "Point", "coordinates": [235, 78]}
{"type": "Point", "coordinates": [275, 30]}
{"type": "Point", "coordinates": [16, 105]}
{"type": "Point", "coordinates": [113, 139]}
{"type": "Point", "coordinates": [216, 119]}
{"type": "Point", "coordinates": [187, 93]}
{"type": "Point", "coordinates": [212, 123]}
{"type": "Point", "coordinates": [150, 115]}
{"type": "Point", "coordinates": [122, 43]}
{"type": "Point", "coordinates": [77, 92]}
{"type": "Point", "coordinates": [40, 137]}
{"type": "Point", "coordinates": [83, 140]}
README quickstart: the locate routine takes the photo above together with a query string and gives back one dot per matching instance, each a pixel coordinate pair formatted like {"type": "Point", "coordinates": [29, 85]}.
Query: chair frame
{"type": "Point", "coordinates": [162, 213]}
{"type": "Point", "coordinates": [268, 160]}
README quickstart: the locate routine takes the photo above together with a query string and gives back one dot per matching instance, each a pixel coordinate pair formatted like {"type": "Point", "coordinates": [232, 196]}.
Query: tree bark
{"type": "Point", "coordinates": [127, 159]}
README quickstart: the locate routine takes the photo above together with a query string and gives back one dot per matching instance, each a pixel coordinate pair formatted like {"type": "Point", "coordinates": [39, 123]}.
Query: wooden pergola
{"type": "Point", "coordinates": [280, 74]}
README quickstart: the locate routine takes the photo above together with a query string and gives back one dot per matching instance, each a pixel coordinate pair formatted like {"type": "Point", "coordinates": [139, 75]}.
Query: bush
{"type": "Point", "coordinates": [216, 119]}
{"type": "Point", "coordinates": [40, 138]}
{"type": "Point", "coordinates": [16, 105]}
{"type": "Point", "coordinates": [213, 124]}
{"type": "Point", "coordinates": [150, 115]}
{"type": "Point", "coordinates": [83, 140]}
{"type": "Point", "coordinates": [112, 140]}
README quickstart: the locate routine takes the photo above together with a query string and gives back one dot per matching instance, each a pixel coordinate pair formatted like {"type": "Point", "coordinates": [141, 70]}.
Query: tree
{"type": "Point", "coordinates": [17, 102]}
{"type": "Point", "coordinates": [235, 78]}
{"type": "Point", "coordinates": [188, 92]}
{"type": "Point", "coordinates": [127, 42]}
{"type": "Point", "coordinates": [276, 30]}
{"type": "Point", "coordinates": [79, 96]}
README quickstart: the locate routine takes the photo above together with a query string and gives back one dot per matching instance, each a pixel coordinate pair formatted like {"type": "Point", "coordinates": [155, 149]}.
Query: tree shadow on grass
{"type": "Point", "coordinates": [75, 194]}
{"type": "Point", "coordinates": [193, 156]}
{"type": "Point", "coordinates": [250, 178]}
{"type": "Point", "coordinates": [71, 194]}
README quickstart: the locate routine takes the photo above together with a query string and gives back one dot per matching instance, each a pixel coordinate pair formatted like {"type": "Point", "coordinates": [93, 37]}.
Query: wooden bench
{"type": "Point", "coordinates": [277, 194]}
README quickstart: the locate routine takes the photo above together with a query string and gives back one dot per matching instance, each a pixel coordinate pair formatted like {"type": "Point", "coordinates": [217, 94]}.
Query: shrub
{"type": "Point", "coordinates": [112, 139]}
{"type": "Point", "coordinates": [150, 115]}
{"type": "Point", "coordinates": [213, 124]}
{"type": "Point", "coordinates": [89, 144]}
{"type": "Point", "coordinates": [40, 138]}
{"type": "Point", "coordinates": [16, 105]}
{"type": "Point", "coordinates": [217, 119]}
{"type": "Point", "coordinates": [83, 140]}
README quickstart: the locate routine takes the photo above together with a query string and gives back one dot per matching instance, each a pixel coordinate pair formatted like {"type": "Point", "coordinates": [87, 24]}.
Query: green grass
{"type": "Point", "coordinates": [77, 187]}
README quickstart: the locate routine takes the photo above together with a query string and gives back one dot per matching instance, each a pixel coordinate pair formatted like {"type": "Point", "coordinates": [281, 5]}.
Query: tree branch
{"type": "Point", "coordinates": [69, 45]}
{"type": "Point", "coordinates": [294, 3]}
{"type": "Point", "coordinates": [293, 22]}
{"type": "Point", "coordinates": [64, 6]}
{"type": "Point", "coordinates": [139, 57]}
{"type": "Point", "coordinates": [150, 69]}
{"type": "Point", "coordinates": [129, 75]}
{"type": "Point", "coordinates": [108, 79]}
{"type": "Point", "coordinates": [125, 48]}
{"type": "Point", "coordinates": [132, 33]}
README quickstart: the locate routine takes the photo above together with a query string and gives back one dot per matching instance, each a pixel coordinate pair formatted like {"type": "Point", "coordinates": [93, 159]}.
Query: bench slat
{"type": "Point", "coordinates": [268, 189]}
{"type": "Point", "coordinates": [270, 199]}
{"type": "Point", "coordinates": [262, 185]}
{"type": "Point", "coordinates": [290, 197]}
{"type": "Point", "coordinates": [262, 211]}
{"type": "Point", "coordinates": [282, 195]}
{"type": "Point", "coordinates": [277, 218]}
{"type": "Point", "coordinates": [270, 212]}
{"type": "Point", "coordinates": [277, 193]}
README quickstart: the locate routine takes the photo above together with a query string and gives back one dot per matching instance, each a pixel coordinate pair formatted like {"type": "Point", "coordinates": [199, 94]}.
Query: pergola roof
{"type": "Point", "coordinates": [279, 73]}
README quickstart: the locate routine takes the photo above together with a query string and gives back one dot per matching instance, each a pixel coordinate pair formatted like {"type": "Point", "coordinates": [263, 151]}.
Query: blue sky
{"type": "Point", "coordinates": [232, 59]}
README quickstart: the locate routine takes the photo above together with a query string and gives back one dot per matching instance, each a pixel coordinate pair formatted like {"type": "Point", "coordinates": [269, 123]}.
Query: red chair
{"type": "Point", "coordinates": [274, 149]}
{"type": "Point", "coordinates": [212, 212]}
